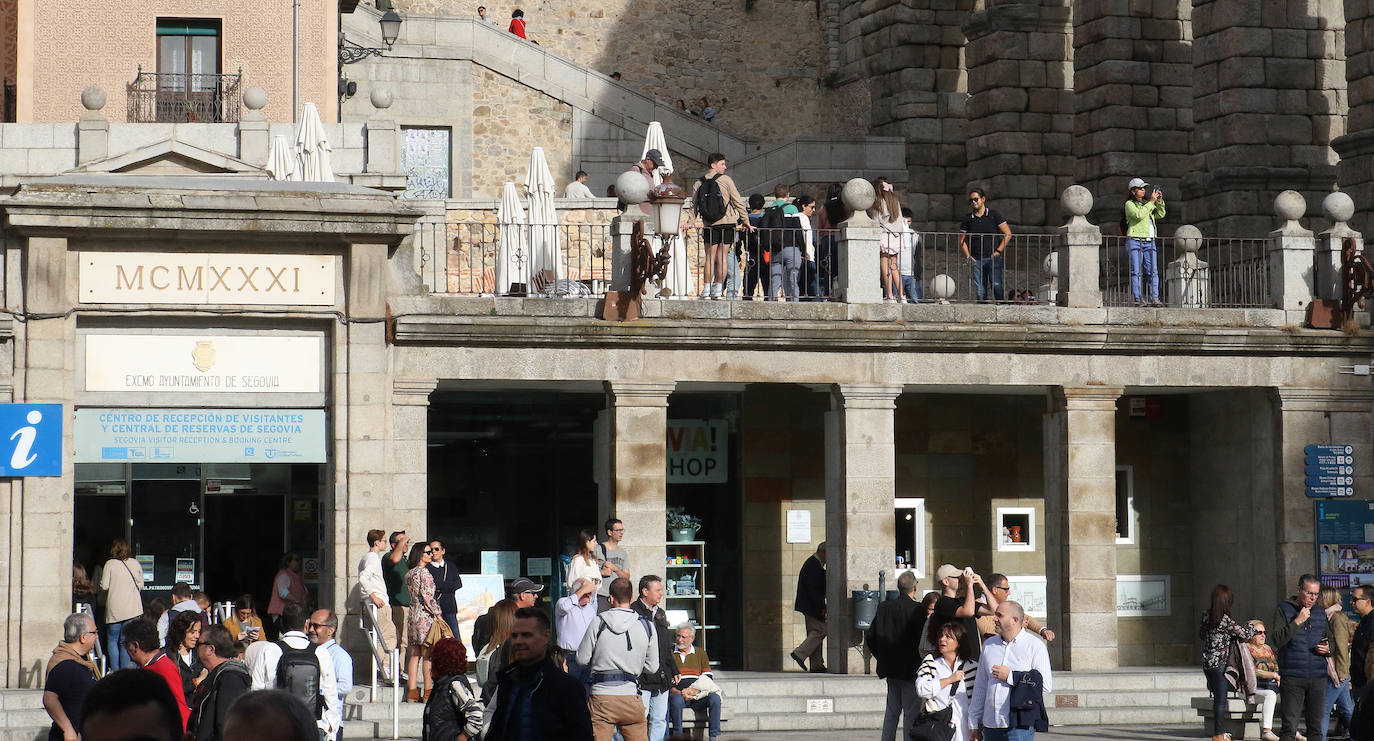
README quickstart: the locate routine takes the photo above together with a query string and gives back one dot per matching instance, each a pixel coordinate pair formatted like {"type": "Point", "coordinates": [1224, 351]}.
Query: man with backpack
{"type": "Point", "coordinates": [717, 201]}
{"type": "Point", "coordinates": [301, 668]}
{"type": "Point", "coordinates": [755, 254]}
{"type": "Point", "coordinates": [619, 647]}
{"type": "Point", "coordinates": [655, 683]}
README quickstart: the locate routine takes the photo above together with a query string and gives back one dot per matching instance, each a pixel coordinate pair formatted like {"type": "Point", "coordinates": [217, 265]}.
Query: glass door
{"type": "Point", "coordinates": [166, 510]}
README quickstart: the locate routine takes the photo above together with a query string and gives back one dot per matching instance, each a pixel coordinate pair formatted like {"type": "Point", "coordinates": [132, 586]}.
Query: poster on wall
{"type": "Point", "coordinates": [698, 451]}
{"type": "Point", "coordinates": [1143, 595]}
{"type": "Point", "coordinates": [479, 591]}
{"type": "Point", "coordinates": [1030, 592]}
{"type": "Point", "coordinates": [1345, 545]}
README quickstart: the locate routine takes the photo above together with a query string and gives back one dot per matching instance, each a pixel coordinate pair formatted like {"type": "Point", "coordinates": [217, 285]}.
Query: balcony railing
{"type": "Point", "coordinates": [161, 97]}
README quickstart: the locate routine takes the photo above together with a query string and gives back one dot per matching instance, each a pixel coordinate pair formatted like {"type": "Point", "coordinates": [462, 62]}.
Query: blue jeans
{"type": "Point", "coordinates": [828, 259]}
{"type": "Point", "coordinates": [1340, 697]}
{"type": "Point", "coordinates": [709, 703]}
{"type": "Point", "coordinates": [115, 655]}
{"type": "Point", "coordinates": [1008, 734]}
{"type": "Point", "coordinates": [911, 288]}
{"type": "Point", "coordinates": [1216, 684]}
{"type": "Point", "coordinates": [987, 270]}
{"type": "Point", "coordinates": [809, 281]}
{"type": "Point", "coordinates": [452, 619]}
{"type": "Point", "coordinates": [657, 705]}
{"type": "Point", "coordinates": [731, 273]}
{"type": "Point", "coordinates": [1142, 254]}
{"type": "Point", "coordinates": [784, 270]}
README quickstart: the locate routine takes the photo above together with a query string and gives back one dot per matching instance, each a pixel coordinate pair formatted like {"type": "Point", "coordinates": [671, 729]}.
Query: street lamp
{"type": "Point", "coordinates": [350, 52]}
{"type": "Point", "coordinates": [667, 200]}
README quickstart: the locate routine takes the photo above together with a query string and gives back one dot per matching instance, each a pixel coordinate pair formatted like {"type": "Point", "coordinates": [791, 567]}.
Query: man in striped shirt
{"type": "Point", "coordinates": [692, 664]}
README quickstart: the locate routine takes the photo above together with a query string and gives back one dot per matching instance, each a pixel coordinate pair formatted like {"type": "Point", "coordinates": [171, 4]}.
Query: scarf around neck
{"type": "Point", "coordinates": [65, 652]}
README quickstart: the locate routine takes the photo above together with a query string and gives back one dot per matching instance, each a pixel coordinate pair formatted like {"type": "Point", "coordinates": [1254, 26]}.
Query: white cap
{"type": "Point", "coordinates": [1135, 183]}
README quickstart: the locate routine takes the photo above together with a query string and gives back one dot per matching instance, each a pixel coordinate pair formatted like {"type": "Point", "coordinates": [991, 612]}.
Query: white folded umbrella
{"type": "Point", "coordinates": [312, 146]}
{"type": "Point", "coordinates": [512, 259]}
{"type": "Point", "coordinates": [281, 160]}
{"type": "Point", "coordinates": [679, 282]}
{"type": "Point", "coordinates": [545, 254]}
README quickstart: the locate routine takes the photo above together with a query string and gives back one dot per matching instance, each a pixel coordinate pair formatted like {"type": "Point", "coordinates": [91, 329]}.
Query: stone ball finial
{"type": "Point", "coordinates": [858, 195]}
{"type": "Point", "coordinates": [93, 97]}
{"type": "Point", "coordinates": [255, 98]}
{"type": "Point", "coordinates": [1189, 238]}
{"type": "Point", "coordinates": [1051, 265]}
{"type": "Point", "coordinates": [1077, 200]}
{"type": "Point", "coordinates": [942, 287]}
{"type": "Point", "coordinates": [380, 97]}
{"type": "Point", "coordinates": [1290, 205]}
{"type": "Point", "coordinates": [1338, 207]}
{"type": "Point", "coordinates": [631, 187]}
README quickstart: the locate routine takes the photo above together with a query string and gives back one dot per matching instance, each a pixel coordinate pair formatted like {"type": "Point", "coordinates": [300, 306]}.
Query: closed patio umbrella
{"type": "Point", "coordinates": [678, 282]}
{"type": "Point", "coordinates": [312, 146]}
{"type": "Point", "coordinates": [281, 160]}
{"type": "Point", "coordinates": [512, 258]}
{"type": "Point", "coordinates": [546, 263]}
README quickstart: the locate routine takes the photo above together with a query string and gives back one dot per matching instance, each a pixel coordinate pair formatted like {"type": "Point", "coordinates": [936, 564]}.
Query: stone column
{"type": "Point", "coordinates": [860, 481]}
{"type": "Point", "coordinates": [858, 247]}
{"type": "Point", "coordinates": [1268, 99]}
{"type": "Point", "coordinates": [1187, 280]}
{"type": "Point", "coordinates": [1133, 97]}
{"type": "Point", "coordinates": [1080, 524]}
{"type": "Point", "coordinates": [92, 129]}
{"type": "Point", "coordinates": [1290, 253]}
{"type": "Point", "coordinates": [638, 420]}
{"type": "Point", "coordinates": [40, 595]}
{"type": "Point", "coordinates": [1080, 279]}
{"type": "Point", "coordinates": [255, 139]}
{"type": "Point", "coordinates": [1311, 417]}
{"type": "Point", "coordinates": [1355, 170]}
{"type": "Point", "coordinates": [622, 242]}
{"type": "Point", "coordinates": [1020, 106]}
{"type": "Point", "coordinates": [1338, 209]}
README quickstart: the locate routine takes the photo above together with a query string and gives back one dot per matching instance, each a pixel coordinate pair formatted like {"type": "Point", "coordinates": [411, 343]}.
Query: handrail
{"type": "Point", "coordinates": [101, 661]}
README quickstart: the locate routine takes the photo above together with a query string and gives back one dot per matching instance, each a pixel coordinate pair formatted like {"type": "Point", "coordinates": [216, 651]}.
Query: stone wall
{"type": "Point", "coordinates": [473, 239]}
{"type": "Point", "coordinates": [508, 121]}
{"type": "Point", "coordinates": [763, 68]}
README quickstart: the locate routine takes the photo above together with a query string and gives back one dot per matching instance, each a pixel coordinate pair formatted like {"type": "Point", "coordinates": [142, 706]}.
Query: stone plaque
{"type": "Point", "coordinates": [231, 364]}
{"type": "Point", "coordinates": [206, 278]}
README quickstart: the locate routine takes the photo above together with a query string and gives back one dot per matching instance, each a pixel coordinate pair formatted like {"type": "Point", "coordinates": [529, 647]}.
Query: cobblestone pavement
{"type": "Point", "coordinates": [1061, 733]}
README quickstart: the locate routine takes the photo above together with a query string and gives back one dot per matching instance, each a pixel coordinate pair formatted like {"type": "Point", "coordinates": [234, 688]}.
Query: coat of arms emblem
{"type": "Point", "coordinates": [203, 357]}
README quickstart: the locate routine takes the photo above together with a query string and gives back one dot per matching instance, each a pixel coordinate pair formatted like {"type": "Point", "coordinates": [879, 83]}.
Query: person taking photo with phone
{"type": "Point", "coordinates": [1141, 236]}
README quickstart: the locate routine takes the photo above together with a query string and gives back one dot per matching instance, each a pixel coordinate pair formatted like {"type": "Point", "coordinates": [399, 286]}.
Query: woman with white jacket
{"type": "Point", "coordinates": [946, 678]}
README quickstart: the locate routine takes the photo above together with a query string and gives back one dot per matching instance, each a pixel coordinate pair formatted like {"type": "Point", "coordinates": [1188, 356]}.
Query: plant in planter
{"type": "Point", "coordinates": [682, 526]}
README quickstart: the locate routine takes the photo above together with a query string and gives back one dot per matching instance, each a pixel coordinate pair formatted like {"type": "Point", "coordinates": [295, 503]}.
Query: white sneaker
{"type": "Point", "coordinates": [1268, 735]}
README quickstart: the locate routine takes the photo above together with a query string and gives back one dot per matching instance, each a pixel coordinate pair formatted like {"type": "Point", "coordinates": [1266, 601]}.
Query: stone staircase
{"type": "Point", "coordinates": [782, 701]}
{"type": "Point", "coordinates": [610, 119]}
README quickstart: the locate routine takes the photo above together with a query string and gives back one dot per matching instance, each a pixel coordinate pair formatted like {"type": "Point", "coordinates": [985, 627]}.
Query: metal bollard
{"type": "Point", "coordinates": [372, 641]}
{"type": "Point", "coordinates": [395, 693]}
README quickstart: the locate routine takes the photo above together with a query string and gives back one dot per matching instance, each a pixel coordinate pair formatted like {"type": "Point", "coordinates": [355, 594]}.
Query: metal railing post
{"type": "Point", "coordinates": [395, 693]}
{"type": "Point", "coordinates": [372, 641]}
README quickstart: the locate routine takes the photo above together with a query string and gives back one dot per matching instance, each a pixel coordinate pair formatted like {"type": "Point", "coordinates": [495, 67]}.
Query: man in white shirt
{"type": "Point", "coordinates": [323, 626]}
{"type": "Point", "coordinates": [262, 665]}
{"type": "Point", "coordinates": [482, 15]}
{"type": "Point", "coordinates": [373, 588]}
{"type": "Point", "coordinates": [572, 615]}
{"type": "Point", "coordinates": [1009, 654]}
{"type": "Point", "coordinates": [578, 187]}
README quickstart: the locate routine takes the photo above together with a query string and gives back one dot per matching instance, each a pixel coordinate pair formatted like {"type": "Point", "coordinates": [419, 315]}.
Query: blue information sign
{"type": "Point", "coordinates": [156, 435]}
{"type": "Point", "coordinates": [31, 435]}
{"type": "Point", "coordinates": [1330, 470]}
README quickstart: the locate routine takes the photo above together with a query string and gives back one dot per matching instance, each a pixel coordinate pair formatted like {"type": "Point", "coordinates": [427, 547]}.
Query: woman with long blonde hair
{"type": "Point", "coordinates": [887, 211]}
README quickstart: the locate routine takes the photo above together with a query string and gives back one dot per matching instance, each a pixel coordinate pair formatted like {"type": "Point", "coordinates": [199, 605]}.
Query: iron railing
{"type": "Point", "coordinates": [1196, 273]}
{"type": "Point", "coordinates": [1021, 274]}
{"type": "Point", "coordinates": [163, 97]}
{"type": "Point", "coordinates": [478, 259]}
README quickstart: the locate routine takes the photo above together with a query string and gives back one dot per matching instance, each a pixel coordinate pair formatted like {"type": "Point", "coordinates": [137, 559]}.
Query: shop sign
{"type": "Point", "coordinates": [30, 439]}
{"type": "Point", "coordinates": [697, 450]}
{"type": "Point", "coordinates": [152, 435]}
{"type": "Point", "coordinates": [206, 278]}
{"type": "Point", "coordinates": [230, 364]}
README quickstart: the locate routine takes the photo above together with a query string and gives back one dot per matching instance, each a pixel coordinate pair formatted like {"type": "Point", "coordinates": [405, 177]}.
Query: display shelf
{"type": "Point", "coordinates": [691, 606]}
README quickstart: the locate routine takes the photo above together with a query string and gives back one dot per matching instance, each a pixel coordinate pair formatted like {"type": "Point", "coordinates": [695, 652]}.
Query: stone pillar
{"type": "Point", "coordinates": [1338, 209]}
{"type": "Point", "coordinates": [1080, 524]}
{"type": "Point", "coordinates": [1020, 106]}
{"type": "Point", "coordinates": [1268, 99]}
{"type": "Point", "coordinates": [1133, 97]}
{"type": "Point", "coordinates": [860, 484]}
{"type": "Point", "coordinates": [1355, 170]}
{"type": "Point", "coordinates": [40, 595]}
{"type": "Point", "coordinates": [1290, 254]}
{"type": "Point", "coordinates": [1187, 280]}
{"type": "Point", "coordinates": [858, 247]}
{"type": "Point", "coordinates": [1080, 279]}
{"type": "Point", "coordinates": [638, 420]}
{"type": "Point", "coordinates": [383, 136]}
{"type": "Point", "coordinates": [622, 232]}
{"type": "Point", "coordinates": [1311, 417]}
{"type": "Point", "coordinates": [255, 140]}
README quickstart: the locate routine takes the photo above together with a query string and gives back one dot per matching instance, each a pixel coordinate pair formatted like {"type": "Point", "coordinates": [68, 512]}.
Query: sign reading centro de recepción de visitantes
{"type": "Point", "coordinates": [197, 363]}
{"type": "Point", "coordinates": [200, 435]}
{"type": "Point", "coordinates": [206, 278]}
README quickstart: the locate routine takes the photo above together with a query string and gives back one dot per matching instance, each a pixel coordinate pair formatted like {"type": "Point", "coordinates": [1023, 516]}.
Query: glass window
{"type": "Point", "coordinates": [425, 160]}
{"type": "Point", "coordinates": [1125, 505]}
{"type": "Point", "coordinates": [911, 535]}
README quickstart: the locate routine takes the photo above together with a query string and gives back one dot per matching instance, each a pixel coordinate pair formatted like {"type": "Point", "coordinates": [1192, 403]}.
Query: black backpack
{"type": "Point", "coordinates": [710, 201]}
{"type": "Point", "coordinates": [772, 227]}
{"type": "Point", "coordinates": [298, 672]}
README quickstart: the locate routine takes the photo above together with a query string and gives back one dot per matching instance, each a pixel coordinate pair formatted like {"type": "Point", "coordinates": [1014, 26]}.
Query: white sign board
{"type": "Point", "coordinates": [204, 363]}
{"type": "Point", "coordinates": [698, 451]}
{"type": "Point", "coordinates": [798, 526]}
{"type": "Point", "coordinates": [206, 278]}
{"type": "Point", "coordinates": [820, 704]}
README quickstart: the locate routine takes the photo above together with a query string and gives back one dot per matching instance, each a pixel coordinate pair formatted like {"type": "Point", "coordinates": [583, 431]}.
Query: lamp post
{"type": "Point", "coordinates": [350, 52]}
{"type": "Point", "coordinates": [666, 199]}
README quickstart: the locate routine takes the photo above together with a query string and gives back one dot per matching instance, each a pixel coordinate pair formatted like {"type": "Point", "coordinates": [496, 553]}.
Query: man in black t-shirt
{"type": "Point", "coordinates": [983, 238]}
{"type": "Point", "coordinates": [71, 675]}
{"type": "Point", "coordinates": [957, 602]}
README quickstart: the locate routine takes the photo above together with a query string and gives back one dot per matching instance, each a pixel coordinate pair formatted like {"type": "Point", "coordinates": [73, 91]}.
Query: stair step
{"type": "Point", "coordinates": [1150, 715]}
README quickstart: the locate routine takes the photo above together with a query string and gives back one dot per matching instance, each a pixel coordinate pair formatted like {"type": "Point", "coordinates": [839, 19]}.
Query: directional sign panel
{"type": "Point", "coordinates": [1330, 470]}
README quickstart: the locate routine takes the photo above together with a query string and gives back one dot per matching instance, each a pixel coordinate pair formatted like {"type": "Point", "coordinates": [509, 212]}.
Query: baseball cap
{"type": "Point", "coordinates": [522, 585]}
{"type": "Point", "coordinates": [946, 571]}
{"type": "Point", "coordinates": [655, 156]}
{"type": "Point", "coordinates": [1135, 183]}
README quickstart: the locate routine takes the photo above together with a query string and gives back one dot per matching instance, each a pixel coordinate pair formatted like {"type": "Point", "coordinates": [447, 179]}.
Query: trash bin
{"type": "Point", "coordinates": [865, 604]}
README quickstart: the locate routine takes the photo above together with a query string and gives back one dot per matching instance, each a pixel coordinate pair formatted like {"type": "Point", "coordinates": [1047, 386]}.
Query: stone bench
{"type": "Point", "coordinates": [1244, 721]}
{"type": "Point", "coordinates": [696, 725]}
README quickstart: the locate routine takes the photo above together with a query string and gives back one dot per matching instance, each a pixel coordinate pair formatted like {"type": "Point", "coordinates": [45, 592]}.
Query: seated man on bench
{"type": "Point", "coordinates": [695, 687]}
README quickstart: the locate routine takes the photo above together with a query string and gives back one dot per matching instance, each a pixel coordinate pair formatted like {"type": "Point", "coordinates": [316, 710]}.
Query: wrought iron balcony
{"type": "Point", "coordinates": [184, 98]}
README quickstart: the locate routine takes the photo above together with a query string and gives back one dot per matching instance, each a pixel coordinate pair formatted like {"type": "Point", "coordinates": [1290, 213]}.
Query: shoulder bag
{"type": "Point", "coordinates": [936, 725]}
